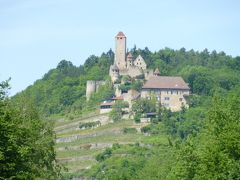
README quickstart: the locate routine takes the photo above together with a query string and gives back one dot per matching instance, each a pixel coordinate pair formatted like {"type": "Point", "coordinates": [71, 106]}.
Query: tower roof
{"type": "Point", "coordinates": [120, 34]}
{"type": "Point", "coordinates": [114, 67]}
{"type": "Point", "coordinates": [129, 56]}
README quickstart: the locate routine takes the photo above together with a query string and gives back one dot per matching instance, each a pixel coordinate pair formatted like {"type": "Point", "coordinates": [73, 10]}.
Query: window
{"type": "Point", "coordinates": [167, 98]}
{"type": "Point", "coordinates": [158, 98]}
{"type": "Point", "coordinates": [171, 92]}
{"type": "Point", "coordinates": [180, 99]}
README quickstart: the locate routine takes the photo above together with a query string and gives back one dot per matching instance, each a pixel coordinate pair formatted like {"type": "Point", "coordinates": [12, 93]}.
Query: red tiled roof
{"type": "Point", "coordinates": [117, 98]}
{"type": "Point", "coordinates": [120, 34]}
{"type": "Point", "coordinates": [129, 56]}
{"type": "Point", "coordinates": [107, 104]}
{"type": "Point", "coordinates": [165, 82]}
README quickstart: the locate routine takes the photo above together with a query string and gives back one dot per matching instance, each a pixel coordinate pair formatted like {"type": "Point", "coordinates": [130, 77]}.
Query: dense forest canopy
{"type": "Point", "coordinates": [62, 90]}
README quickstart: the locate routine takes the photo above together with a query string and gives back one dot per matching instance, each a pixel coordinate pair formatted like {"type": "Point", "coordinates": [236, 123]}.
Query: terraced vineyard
{"type": "Point", "coordinates": [77, 148]}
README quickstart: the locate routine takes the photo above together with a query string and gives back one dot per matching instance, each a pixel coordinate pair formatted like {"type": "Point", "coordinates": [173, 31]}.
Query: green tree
{"type": "Point", "coordinates": [215, 152]}
{"type": "Point", "coordinates": [117, 110]}
{"type": "Point", "coordinates": [26, 143]}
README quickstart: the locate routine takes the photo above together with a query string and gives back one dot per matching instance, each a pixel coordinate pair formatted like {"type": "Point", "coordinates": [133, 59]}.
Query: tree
{"type": "Point", "coordinates": [117, 110]}
{"type": "Point", "coordinates": [215, 152]}
{"type": "Point", "coordinates": [26, 143]}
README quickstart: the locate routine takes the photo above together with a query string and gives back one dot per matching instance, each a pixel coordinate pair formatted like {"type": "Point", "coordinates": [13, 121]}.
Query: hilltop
{"type": "Point", "coordinates": [124, 148]}
{"type": "Point", "coordinates": [62, 91]}
{"type": "Point", "coordinates": [99, 146]}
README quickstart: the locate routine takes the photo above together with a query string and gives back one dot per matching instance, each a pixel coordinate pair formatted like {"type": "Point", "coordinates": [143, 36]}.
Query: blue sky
{"type": "Point", "coordinates": [36, 35]}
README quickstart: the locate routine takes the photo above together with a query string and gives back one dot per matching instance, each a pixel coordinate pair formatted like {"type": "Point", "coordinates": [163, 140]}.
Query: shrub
{"type": "Point", "coordinates": [129, 130]}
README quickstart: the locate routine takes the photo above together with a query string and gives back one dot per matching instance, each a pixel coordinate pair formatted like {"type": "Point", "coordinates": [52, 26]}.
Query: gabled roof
{"type": "Point", "coordinates": [117, 98]}
{"type": "Point", "coordinates": [107, 104]}
{"type": "Point", "coordinates": [165, 82]}
{"type": "Point", "coordinates": [129, 54]}
{"type": "Point", "coordinates": [114, 67]}
{"type": "Point", "coordinates": [140, 58]}
{"type": "Point", "coordinates": [120, 34]}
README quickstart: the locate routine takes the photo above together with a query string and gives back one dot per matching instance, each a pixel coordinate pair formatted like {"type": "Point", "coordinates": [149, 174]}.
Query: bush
{"type": "Point", "coordinates": [106, 154]}
{"type": "Point", "coordinates": [137, 118]}
{"type": "Point", "coordinates": [145, 129]}
{"type": "Point", "coordinates": [89, 124]}
{"type": "Point", "coordinates": [129, 130]}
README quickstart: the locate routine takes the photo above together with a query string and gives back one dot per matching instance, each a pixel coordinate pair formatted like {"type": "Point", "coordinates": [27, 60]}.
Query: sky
{"type": "Point", "coordinates": [36, 35]}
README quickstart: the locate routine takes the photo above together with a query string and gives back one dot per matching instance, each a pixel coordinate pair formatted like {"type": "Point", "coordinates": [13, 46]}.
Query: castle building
{"type": "Point", "coordinates": [170, 91]}
{"type": "Point", "coordinates": [124, 62]}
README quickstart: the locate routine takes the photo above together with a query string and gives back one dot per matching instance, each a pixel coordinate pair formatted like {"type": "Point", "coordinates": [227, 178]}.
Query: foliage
{"type": "Point", "coordinates": [215, 152]}
{"type": "Point", "coordinates": [130, 161]}
{"type": "Point", "coordinates": [26, 143]}
{"type": "Point", "coordinates": [62, 90]}
{"type": "Point", "coordinates": [117, 110]}
{"type": "Point", "coordinates": [106, 154]}
{"type": "Point", "coordinates": [129, 130]}
{"type": "Point", "coordinates": [142, 106]}
{"type": "Point", "coordinates": [89, 124]}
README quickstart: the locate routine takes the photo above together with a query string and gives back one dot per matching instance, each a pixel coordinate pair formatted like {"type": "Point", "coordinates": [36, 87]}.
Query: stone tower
{"type": "Point", "coordinates": [92, 86]}
{"type": "Point", "coordinates": [114, 72]}
{"type": "Point", "coordinates": [120, 52]}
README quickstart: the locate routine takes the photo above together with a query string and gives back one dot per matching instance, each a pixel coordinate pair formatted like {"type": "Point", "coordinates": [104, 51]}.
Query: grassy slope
{"type": "Point", "coordinates": [80, 154]}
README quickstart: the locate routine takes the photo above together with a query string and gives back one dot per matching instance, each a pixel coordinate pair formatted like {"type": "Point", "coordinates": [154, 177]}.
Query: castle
{"type": "Point", "coordinates": [124, 64]}
{"type": "Point", "coordinates": [169, 91]}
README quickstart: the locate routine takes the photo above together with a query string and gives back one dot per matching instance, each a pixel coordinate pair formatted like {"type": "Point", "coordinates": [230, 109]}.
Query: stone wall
{"type": "Point", "coordinates": [92, 86]}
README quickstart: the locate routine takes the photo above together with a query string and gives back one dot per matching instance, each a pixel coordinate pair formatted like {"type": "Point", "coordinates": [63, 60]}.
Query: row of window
{"type": "Point", "coordinates": [165, 98]}
{"type": "Point", "coordinates": [167, 92]}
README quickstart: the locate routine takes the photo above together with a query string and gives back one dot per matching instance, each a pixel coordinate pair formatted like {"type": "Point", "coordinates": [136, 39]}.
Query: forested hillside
{"type": "Point", "coordinates": [201, 142]}
{"type": "Point", "coordinates": [62, 90]}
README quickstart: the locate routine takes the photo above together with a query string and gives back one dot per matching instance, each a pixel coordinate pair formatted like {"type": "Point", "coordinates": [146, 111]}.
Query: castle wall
{"type": "Point", "coordinates": [92, 86]}
{"type": "Point", "coordinates": [148, 74]}
{"type": "Point", "coordinates": [132, 71]}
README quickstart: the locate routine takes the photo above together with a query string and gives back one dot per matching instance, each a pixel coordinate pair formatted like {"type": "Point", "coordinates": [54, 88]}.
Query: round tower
{"type": "Point", "coordinates": [90, 88]}
{"type": "Point", "coordinates": [120, 52]}
{"type": "Point", "coordinates": [115, 73]}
